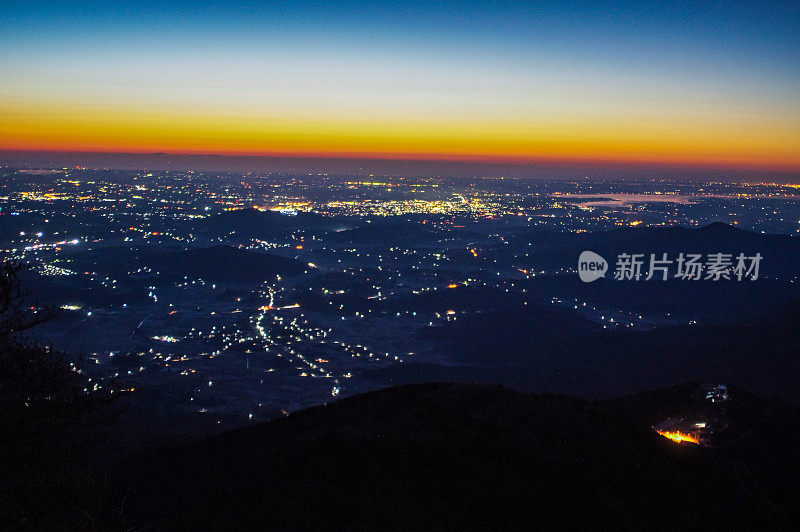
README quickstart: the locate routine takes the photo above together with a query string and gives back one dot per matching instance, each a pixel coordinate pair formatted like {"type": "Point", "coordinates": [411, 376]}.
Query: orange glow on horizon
{"type": "Point", "coordinates": [42, 126]}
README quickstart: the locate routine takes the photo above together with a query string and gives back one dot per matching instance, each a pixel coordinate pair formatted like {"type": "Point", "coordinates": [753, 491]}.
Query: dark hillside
{"type": "Point", "coordinates": [443, 455]}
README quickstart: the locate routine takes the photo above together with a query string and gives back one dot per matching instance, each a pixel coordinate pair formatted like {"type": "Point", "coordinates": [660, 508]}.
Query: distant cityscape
{"type": "Point", "coordinates": [242, 297]}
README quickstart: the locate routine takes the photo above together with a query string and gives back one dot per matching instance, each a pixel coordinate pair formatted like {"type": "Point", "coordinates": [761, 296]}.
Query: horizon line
{"type": "Point", "coordinates": [12, 157]}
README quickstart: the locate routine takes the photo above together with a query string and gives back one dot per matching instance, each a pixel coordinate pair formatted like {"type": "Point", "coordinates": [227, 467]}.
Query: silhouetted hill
{"type": "Point", "coordinates": [266, 223]}
{"type": "Point", "coordinates": [226, 264]}
{"type": "Point", "coordinates": [381, 234]}
{"type": "Point", "coordinates": [465, 456]}
{"type": "Point", "coordinates": [216, 263]}
{"type": "Point", "coordinates": [460, 299]}
{"type": "Point", "coordinates": [706, 301]}
{"type": "Point", "coordinates": [76, 290]}
{"type": "Point", "coordinates": [781, 253]}
{"type": "Point", "coordinates": [534, 349]}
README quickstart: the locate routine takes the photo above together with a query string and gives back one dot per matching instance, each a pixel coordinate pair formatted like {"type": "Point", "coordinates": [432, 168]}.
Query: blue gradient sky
{"type": "Point", "coordinates": [630, 81]}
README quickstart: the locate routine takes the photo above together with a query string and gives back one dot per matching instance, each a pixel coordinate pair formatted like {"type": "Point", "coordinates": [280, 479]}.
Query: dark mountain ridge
{"type": "Point", "coordinates": [217, 263]}
{"type": "Point", "coordinates": [781, 253]}
{"type": "Point", "coordinates": [227, 264]}
{"type": "Point", "coordinates": [537, 349]}
{"type": "Point", "coordinates": [463, 456]}
{"type": "Point", "coordinates": [266, 223]}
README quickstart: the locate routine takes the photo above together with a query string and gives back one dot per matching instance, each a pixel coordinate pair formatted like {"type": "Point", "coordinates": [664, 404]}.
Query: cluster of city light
{"type": "Point", "coordinates": [268, 325]}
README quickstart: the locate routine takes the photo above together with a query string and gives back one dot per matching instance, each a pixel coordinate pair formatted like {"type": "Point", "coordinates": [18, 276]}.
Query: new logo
{"type": "Point", "coordinates": [591, 266]}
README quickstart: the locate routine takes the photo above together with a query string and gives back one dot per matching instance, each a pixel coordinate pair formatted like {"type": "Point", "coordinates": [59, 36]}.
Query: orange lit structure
{"type": "Point", "coordinates": [678, 436]}
{"type": "Point", "coordinates": [704, 426]}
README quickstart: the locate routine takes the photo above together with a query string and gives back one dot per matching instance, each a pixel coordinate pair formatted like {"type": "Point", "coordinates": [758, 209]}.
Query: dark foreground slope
{"type": "Point", "coordinates": [444, 455]}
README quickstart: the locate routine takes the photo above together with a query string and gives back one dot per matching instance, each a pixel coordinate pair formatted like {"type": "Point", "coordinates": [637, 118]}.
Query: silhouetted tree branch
{"type": "Point", "coordinates": [51, 418]}
{"type": "Point", "coordinates": [40, 392]}
{"type": "Point", "coordinates": [15, 313]}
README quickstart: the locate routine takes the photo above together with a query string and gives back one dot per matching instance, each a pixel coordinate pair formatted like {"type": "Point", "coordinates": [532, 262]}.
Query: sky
{"type": "Point", "coordinates": [673, 83]}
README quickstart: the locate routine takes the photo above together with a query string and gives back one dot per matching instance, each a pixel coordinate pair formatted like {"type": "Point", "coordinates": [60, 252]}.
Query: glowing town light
{"type": "Point", "coordinates": [678, 436]}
